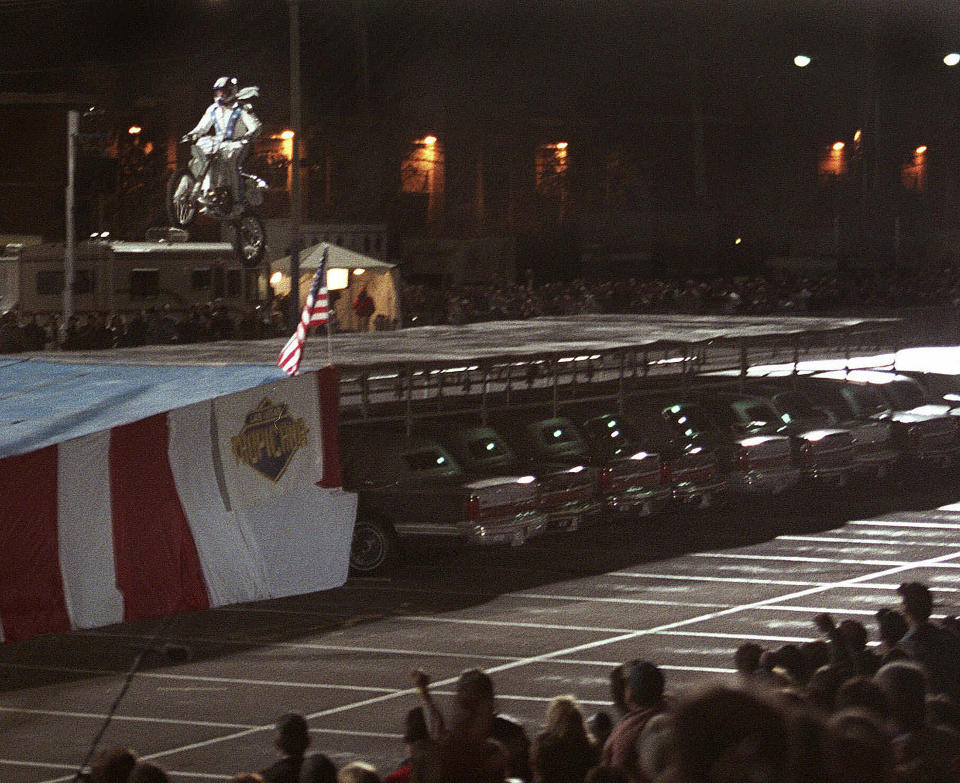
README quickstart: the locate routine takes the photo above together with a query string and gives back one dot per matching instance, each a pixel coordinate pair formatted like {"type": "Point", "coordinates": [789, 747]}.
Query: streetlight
{"type": "Point", "coordinates": [952, 59]}
{"type": "Point", "coordinates": [801, 61]}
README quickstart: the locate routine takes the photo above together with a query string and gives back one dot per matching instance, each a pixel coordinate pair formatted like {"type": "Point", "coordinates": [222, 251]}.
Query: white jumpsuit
{"type": "Point", "coordinates": [224, 132]}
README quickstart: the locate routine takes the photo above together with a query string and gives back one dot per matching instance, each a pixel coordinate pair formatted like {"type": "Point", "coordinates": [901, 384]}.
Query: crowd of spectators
{"type": "Point", "coordinates": [776, 292]}
{"type": "Point", "coordinates": [152, 326]}
{"type": "Point", "coordinates": [831, 710]}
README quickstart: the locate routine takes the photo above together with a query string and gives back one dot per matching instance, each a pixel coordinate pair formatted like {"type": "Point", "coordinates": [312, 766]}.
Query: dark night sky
{"type": "Point", "coordinates": [618, 61]}
{"type": "Point", "coordinates": [583, 46]}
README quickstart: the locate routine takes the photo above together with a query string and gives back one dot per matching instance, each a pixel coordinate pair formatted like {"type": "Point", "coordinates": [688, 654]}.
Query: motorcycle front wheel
{"type": "Point", "coordinates": [249, 239]}
{"type": "Point", "coordinates": [181, 208]}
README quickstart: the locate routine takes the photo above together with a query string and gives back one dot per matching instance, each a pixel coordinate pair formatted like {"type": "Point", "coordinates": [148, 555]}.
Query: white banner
{"type": "Point", "coordinates": [85, 532]}
{"type": "Point", "coordinates": [269, 439]}
{"type": "Point", "coordinates": [258, 537]}
{"type": "Point", "coordinates": [232, 566]}
{"type": "Point", "coordinates": [304, 539]}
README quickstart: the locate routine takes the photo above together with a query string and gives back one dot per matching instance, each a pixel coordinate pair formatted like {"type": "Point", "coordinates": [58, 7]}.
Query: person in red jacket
{"type": "Point", "coordinates": [363, 308]}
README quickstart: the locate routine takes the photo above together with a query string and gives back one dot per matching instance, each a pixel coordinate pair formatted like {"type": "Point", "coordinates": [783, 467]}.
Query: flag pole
{"type": "Point", "coordinates": [326, 266]}
{"type": "Point", "coordinates": [329, 345]}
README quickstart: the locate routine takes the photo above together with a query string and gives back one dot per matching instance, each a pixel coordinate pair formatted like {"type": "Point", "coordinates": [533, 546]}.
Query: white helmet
{"type": "Point", "coordinates": [225, 89]}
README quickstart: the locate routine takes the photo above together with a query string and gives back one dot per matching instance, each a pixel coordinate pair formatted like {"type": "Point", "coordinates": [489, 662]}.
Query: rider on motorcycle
{"type": "Point", "coordinates": [223, 135]}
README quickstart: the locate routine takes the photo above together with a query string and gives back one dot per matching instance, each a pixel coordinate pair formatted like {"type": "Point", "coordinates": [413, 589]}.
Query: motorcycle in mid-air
{"type": "Point", "coordinates": [185, 198]}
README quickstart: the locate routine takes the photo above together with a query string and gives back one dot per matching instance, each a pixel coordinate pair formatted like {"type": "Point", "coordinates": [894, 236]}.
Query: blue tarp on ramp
{"type": "Point", "coordinates": [44, 402]}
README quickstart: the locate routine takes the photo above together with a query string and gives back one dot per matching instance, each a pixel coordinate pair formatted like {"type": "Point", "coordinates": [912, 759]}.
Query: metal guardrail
{"type": "Point", "coordinates": [409, 391]}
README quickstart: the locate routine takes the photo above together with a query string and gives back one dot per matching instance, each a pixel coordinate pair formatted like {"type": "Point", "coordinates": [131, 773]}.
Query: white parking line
{"type": "Point", "coordinates": [673, 667]}
{"type": "Point", "coordinates": [200, 678]}
{"type": "Point", "coordinates": [72, 767]}
{"type": "Point", "coordinates": [516, 624]}
{"type": "Point", "coordinates": [799, 559]}
{"type": "Point", "coordinates": [307, 646]}
{"type": "Point", "coordinates": [866, 541]}
{"type": "Point", "coordinates": [630, 601]}
{"type": "Point", "coordinates": [746, 580]}
{"type": "Point", "coordinates": [903, 523]}
{"type": "Point", "coordinates": [542, 596]}
{"type": "Point", "coordinates": [750, 637]}
{"type": "Point", "coordinates": [130, 718]}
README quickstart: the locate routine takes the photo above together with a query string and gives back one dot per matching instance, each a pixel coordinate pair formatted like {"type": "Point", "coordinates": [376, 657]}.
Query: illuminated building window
{"type": "Point", "coordinates": [913, 175]}
{"type": "Point", "coordinates": [271, 160]}
{"type": "Point", "coordinates": [422, 170]}
{"type": "Point", "coordinates": [551, 170]}
{"type": "Point", "coordinates": [833, 161]}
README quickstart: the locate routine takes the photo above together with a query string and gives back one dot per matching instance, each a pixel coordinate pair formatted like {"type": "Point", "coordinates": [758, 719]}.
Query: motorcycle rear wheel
{"type": "Point", "coordinates": [181, 207]}
{"type": "Point", "coordinates": [249, 239]}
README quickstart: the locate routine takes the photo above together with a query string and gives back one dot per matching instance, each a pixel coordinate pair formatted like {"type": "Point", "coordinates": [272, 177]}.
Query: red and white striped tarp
{"type": "Point", "coordinates": [230, 500]}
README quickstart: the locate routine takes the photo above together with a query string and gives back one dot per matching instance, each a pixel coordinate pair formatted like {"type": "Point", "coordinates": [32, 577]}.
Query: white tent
{"type": "Point", "coordinates": [347, 272]}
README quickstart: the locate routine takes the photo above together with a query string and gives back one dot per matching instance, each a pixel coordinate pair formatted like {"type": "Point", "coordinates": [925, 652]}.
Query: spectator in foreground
{"type": "Point", "coordinates": [865, 695]}
{"type": "Point", "coordinates": [848, 646]}
{"type": "Point", "coordinates": [858, 749]}
{"type": "Point", "coordinates": [600, 726]}
{"type": "Point", "coordinates": [468, 754]}
{"type": "Point", "coordinates": [726, 734]}
{"type": "Point", "coordinates": [317, 768]}
{"type": "Point", "coordinates": [422, 759]}
{"type": "Point", "coordinates": [515, 743]}
{"type": "Point", "coordinates": [923, 750]}
{"type": "Point", "coordinates": [655, 746]}
{"type": "Point", "coordinates": [112, 765]}
{"type": "Point", "coordinates": [291, 741]}
{"type": "Point", "coordinates": [562, 752]}
{"type": "Point", "coordinates": [358, 772]}
{"type": "Point", "coordinates": [891, 628]}
{"type": "Point", "coordinates": [746, 660]}
{"type": "Point", "coordinates": [145, 772]}
{"type": "Point", "coordinates": [643, 696]}
{"type": "Point", "coordinates": [933, 646]}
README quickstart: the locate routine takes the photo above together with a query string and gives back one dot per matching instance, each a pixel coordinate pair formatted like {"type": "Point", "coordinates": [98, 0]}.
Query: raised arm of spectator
{"type": "Point", "coordinates": [435, 722]}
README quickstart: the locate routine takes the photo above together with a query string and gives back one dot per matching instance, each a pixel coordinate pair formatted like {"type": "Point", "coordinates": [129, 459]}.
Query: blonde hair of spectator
{"type": "Point", "coordinates": [358, 772]}
{"type": "Point", "coordinates": [564, 718]}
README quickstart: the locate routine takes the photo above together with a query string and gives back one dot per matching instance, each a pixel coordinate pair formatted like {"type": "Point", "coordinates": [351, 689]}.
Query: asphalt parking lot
{"type": "Point", "coordinates": [549, 618]}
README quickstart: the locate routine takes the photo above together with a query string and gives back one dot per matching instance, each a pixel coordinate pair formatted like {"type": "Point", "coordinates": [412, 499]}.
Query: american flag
{"type": "Point", "coordinates": [314, 313]}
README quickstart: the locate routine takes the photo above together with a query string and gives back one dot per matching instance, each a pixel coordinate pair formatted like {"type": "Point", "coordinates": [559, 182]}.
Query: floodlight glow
{"type": "Point", "coordinates": [952, 59]}
{"type": "Point", "coordinates": [801, 61]}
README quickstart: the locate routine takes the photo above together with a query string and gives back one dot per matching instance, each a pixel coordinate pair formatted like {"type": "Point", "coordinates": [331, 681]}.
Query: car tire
{"type": "Point", "coordinates": [374, 548]}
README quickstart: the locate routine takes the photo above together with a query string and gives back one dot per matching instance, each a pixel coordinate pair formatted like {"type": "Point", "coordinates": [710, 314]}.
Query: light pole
{"type": "Point", "coordinates": [295, 202]}
{"type": "Point", "coordinates": [70, 240]}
